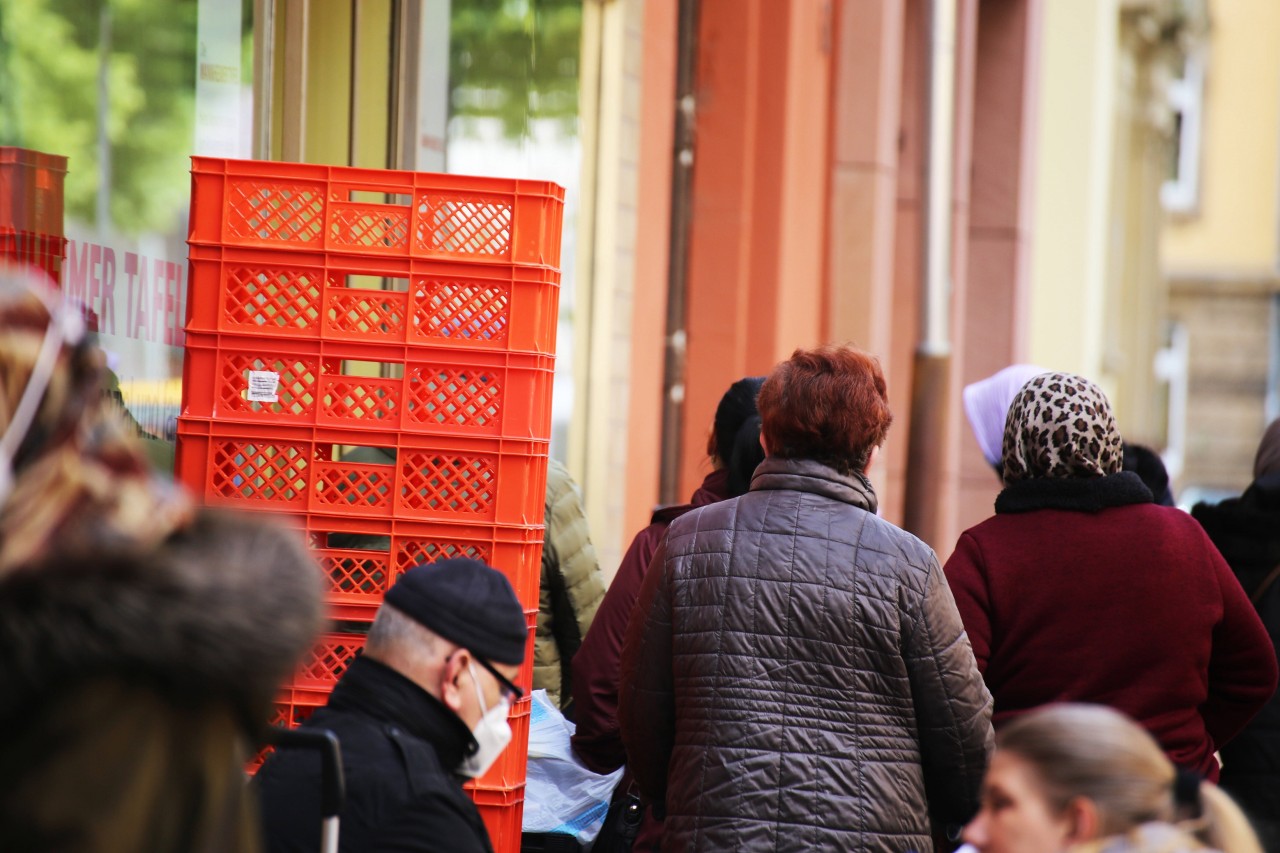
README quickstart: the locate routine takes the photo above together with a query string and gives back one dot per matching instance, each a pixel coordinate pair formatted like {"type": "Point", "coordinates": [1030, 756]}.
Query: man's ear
{"type": "Point", "coordinates": [764, 444]}
{"type": "Point", "coordinates": [1083, 819]}
{"type": "Point", "coordinates": [450, 676]}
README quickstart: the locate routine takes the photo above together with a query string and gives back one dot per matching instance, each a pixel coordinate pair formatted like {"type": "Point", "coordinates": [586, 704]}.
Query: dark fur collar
{"type": "Point", "coordinates": [221, 611]}
{"type": "Point", "coordinates": [1080, 495]}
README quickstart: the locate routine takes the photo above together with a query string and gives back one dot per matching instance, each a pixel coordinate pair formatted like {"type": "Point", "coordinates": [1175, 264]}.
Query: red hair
{"type": "Point", "coordinates": [829, 404]}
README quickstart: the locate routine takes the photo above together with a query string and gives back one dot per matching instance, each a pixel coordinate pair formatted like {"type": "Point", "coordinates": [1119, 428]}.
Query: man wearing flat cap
{"type": "Point", "coordinates": [424, 706]}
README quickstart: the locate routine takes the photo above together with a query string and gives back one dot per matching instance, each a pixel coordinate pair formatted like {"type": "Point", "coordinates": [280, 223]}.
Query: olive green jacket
{"type": "Point", "coordinates": [572, 586]}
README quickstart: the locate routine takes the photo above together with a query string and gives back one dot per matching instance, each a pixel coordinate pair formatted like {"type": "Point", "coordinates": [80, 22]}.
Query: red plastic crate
{"type": "Point", "coordinates": [294, 705]}
{"type": "Point", "coordinates": [31, 191]}
{"type": "Point", "coordinates": [45, 251]}
{"type": "Point", "coordinates": [502, 810]}
{"type": "Point", "coordinates": [383, 300]}
{"type": "Point", "coordinates": [320, 383]}
{"type": "Point", "coordinates": [370, 556]}
{"type": "Point", "coordinates": [345, 210]}
{"type": "Point", "coordinates": [479, 481]}
{"type": "Point", "coordinates": [324, 664]}
{"type": "Point", "coordinates": [512, 765]}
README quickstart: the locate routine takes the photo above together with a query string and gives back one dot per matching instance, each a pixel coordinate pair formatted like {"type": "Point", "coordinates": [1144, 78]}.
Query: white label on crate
{"type": "Point", "coordinates": [263, 385]}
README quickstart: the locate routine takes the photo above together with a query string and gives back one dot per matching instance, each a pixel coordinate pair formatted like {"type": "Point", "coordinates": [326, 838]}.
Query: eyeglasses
{"type": "Point", "coordinates": [510, 691]}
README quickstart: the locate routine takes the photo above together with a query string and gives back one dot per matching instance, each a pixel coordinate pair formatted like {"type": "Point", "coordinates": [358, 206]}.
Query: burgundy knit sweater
{"type": "Point", "coordinates": [1085, 591]}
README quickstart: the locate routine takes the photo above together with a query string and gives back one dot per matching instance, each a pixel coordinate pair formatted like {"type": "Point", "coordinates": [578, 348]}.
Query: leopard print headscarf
{"type": "Point", "coordinates": [1060, 426]}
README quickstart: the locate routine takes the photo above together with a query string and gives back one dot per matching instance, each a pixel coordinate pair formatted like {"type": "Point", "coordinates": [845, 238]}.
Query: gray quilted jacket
{"type": "Point", "coordinates": [796, 676]}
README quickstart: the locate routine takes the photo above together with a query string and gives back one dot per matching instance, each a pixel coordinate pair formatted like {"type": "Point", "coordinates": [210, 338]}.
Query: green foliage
{"type": "Point", "coordinates": [49, 51]}
{"type": "Point", "coordinates": [516, 61]}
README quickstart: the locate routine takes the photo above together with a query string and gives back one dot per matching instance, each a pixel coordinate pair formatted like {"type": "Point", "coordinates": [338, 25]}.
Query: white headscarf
{"type": "Point", "coordinates": [986, 403]}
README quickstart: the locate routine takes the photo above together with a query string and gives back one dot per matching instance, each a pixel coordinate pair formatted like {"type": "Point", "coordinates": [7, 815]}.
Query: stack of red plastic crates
{"type": "Point", "coordinates": [410, 316]}
{"type": "Point", "coordinates": [31, 226]}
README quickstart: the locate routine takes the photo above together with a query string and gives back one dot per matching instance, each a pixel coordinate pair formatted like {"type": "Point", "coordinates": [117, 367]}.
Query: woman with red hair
{"type": "Point", "coordinates": [795, 675]}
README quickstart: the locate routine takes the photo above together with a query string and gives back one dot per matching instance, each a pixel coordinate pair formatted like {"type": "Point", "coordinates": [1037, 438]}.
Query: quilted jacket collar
{"type": "Point", "coordinates": [806, 475]}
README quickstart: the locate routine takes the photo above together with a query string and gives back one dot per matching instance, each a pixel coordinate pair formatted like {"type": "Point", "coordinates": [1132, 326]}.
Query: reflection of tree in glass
{"type": "Point", "coordinates": [50, 50]}
{"type": "Point", "coordinates": [516, 61]}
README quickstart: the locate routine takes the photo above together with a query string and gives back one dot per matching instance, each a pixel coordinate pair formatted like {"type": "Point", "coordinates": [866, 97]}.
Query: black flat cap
{"type": "Point", "coordinates": [466, 602]}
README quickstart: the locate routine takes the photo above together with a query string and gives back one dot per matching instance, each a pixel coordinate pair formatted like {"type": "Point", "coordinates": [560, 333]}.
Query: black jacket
{"type": "Point", "coordinates": [399, 745]}
{"type": "Point", "coordinates": [1247, 532]}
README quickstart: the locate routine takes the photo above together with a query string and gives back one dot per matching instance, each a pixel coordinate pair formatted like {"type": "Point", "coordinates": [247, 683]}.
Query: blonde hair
{"type": "Point", "coordinates": [1098, 753]}
{"type": "Point", "coordinates": [82, 483]}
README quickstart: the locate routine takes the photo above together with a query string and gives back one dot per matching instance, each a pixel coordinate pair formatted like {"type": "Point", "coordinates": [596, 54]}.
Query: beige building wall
{"type": "Point", "coordinates": [1072, 191]}
{"type": "Point", "coordinates": [613, 42]}
{"type": "Point", "coordinates": [1236, 225]}
{"type": "Point", "coordinates": [1222, 259]}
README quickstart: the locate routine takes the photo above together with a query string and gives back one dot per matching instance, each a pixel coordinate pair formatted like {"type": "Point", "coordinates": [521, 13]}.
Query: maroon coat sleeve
{"type": "Point", "coordinates": [646, 708]}
{"type": "Point", "coordinates": [596, 666]}
{"type": "Point", "coordinates": [967, 576]}
{"type": "Point", "coordinates": [1242, 662]}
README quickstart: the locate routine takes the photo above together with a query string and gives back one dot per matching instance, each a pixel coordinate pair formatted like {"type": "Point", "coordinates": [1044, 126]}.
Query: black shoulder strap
{"type": "Point", "coordinates": [1256, 598]}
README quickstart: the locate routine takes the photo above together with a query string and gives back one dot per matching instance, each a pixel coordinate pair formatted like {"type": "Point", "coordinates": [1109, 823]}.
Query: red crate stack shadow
{"type": "Point", "coordinates": [31, 224]}
{"type": "Point", "coordinates": [370, 355]}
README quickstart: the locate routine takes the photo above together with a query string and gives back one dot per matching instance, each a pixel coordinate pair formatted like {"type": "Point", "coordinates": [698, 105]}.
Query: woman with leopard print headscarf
{"type": "Point", "coordinates": [1081, 589]}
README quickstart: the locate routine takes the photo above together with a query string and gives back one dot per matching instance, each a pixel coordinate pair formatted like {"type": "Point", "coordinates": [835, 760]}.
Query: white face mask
{"type": "Point", "coordinates": [492, 733]}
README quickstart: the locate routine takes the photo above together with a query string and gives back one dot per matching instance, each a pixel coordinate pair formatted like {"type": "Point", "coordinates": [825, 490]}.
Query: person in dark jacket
{"type": "Point", "coordinates": [144, 638]}
{"type": "Point", "coordinates": [734, 450]}
{"type": "Point", "coordinates": [1149, 467]}
{"type": "Point", "coordinates": [1081, 589]}
{"type": "Point", "coordinates": [423, 707]}
{"type": "Point", "coordinates": [795, 675]}
{"type": "Point", "coordinates": [1247, 532]}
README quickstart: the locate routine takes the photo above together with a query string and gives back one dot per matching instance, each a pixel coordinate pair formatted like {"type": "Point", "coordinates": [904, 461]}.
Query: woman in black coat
{"type": "Point", "coordinates": [1247, 532]}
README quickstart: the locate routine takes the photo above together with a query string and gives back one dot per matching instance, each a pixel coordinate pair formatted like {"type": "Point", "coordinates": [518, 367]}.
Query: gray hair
{"type": "Point", "coordinates": [395, 635]}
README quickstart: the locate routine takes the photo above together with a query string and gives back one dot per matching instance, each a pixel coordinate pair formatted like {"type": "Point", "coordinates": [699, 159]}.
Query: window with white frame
{"type": "Point", "coordinates": [1180, 192]}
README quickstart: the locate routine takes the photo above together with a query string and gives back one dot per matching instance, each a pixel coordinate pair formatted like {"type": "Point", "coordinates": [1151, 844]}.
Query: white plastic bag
{"type": "Point", "coordinates": [560, 794]}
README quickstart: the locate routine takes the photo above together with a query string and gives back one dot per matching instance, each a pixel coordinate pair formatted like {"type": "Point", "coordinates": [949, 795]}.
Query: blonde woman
{"type": "Point", "coordinates": [1087, 778]}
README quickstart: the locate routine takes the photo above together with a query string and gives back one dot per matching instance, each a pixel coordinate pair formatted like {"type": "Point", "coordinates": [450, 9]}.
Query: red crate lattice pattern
{"type": "Point", "coordinates": [460, 484]}
{"type": "Point", "coordinates": [297, 379]}
{"type": "Point", "coordinates": [463, 224]}
{"type": "Point", "coordinates": [366, 312]}
{"type": "Point", "coordinates": [371, 487]}
{"type": "Point", "coordinates": [435, 395]}
{"type": "Point", "coordinates": [266, 210]}
{"type": "Point", "coordinates": [353, 571]}
{"type": "Point", "coordinates": [350, 398]}
{"type": "Point", "coordinates": [328, 659]}
{"type": "Point", "coordinates": [461, 397]}
{"type": "Point", "coordinates": [369, 572]}
{"type": "Point", "coordinates": [283, 298]}
{"type": "Point", "coordinates": [269, 472]}
{"type": "Point", "coordinates": [416, 553]}
{"type": "Point", "coordinates": [387, 228]}
{"type": "Point", "coordinates": [456, 224]}
{"type": "Point", "coordinates": [286, 299]}
{"type": "Point", "coordinates": [449, 309]}
{"type": "Point", "coordinates": [279, 472]}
